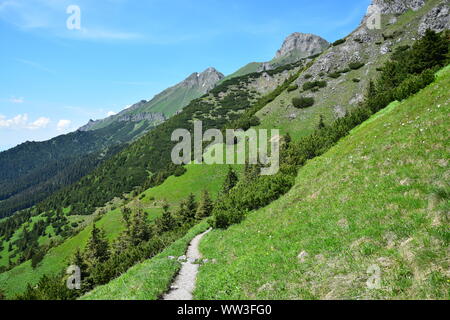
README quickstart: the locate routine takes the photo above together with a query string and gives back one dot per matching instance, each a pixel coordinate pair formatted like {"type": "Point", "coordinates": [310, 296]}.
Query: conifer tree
{"type": "Point", "coordinates": [430, 51]}
{"type": "Point", "coordinates": [79, 261]}
{"type": "Point", "coordinates": [230, 181]}
{"type": "Point", "coordinates": [187, 209]}
{"type": "Point", "coordinates": [205, 206]}
{"type": "Point", "coordinates": [97, 248]}
{"type": "Point", "coordinates": [181, 212]}
{"type": "Point", "coordinates": [126, 213]}
{"type": "Point", "coordinates": [138, 228]}
{"type": "Point", "coordinates": [166, 222]}
{"type": "Point", "coordinates": [191, 206]}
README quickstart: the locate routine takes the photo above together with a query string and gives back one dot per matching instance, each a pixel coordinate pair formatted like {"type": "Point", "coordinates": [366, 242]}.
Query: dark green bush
{"type": "Point", "coordinates": [248, 196]}
{"type": "Point", "coordinates": [314, 84]}
{"type": "Point", "coordinates": [303, 102]}
{"type": "Point", "coordinates": [338, 42]}
{"type": "Point", "coordinates": [356, 80]}
{"type": "Point", "coordinates": [356, 65]}
{"type": "Point", "coordinates": [334, 75]}
{"type": "Point", "coordinates": [308, 76]}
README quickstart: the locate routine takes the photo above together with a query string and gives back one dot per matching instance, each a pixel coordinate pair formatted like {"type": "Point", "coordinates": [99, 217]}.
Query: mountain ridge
{"type": "Point", "coordinates": [166, 103]}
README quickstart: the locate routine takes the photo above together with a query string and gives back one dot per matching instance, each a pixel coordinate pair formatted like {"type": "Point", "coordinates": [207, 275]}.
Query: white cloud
{"type": "Point", "coordinates": [40, 123]}
{"type": "Point", "coordinates": [17, 100]}
{"type": "Point", "coordinates": [21, 121]}
{"type": "Point", "coordinates": [111, 113]}
{"type": "Point", "coordinates": [17, 121]}
{"type": "Point", "coordinates": [63, 125]}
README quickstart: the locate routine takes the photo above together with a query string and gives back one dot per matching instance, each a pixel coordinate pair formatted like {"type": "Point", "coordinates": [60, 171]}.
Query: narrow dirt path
{"type": "Point", "coordinates": [184, 283]}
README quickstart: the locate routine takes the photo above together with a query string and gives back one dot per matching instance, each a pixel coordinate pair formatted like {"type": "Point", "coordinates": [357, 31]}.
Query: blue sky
{"type": "Point", "coordinates": [53, 80]}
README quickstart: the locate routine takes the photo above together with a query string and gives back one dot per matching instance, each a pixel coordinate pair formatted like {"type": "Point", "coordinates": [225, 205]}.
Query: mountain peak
{"type": "Point", "coordinates": [211, 70]}
{"type": "Point", "coordinates": [302, 45]}
{"type": "Point", "coordinates": [205, 80]}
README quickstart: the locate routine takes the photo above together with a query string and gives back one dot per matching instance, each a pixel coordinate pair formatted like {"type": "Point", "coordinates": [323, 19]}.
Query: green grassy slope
{"type": "Point", "coordinates": [196, 179]}
{"type": "Point", "coordinates": [247, 69]}
{"type": "Point", "coordinates": [170, 104]}
{"type": "Point", "coordinates": [380, 197]}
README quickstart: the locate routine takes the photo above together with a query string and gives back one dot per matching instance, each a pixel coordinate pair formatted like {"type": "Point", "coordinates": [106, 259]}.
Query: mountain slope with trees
{"type": "Point", "coordinates": [141, 166]}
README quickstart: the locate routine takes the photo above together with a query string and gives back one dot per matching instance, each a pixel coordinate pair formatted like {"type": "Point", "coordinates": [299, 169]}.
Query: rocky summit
{"type": "Point", "coordinates": [204, 81]}
{"type": "Point", "coordinates": [303, 44]}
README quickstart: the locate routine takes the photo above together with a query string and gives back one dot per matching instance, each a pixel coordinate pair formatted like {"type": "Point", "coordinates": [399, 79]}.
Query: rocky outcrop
{"type": "Point", "coordinates": [395, 6]}
{"type": "Point", "coordinates": [88, 126]}
{"type": "Point", "coordinates": [128, 113]}
{"type": "Point", "coordinates": [295, 47]}
{"type": "Point", "coordinates": [154, 117]}
{"type": "Point", "coordinates": [438, 19]}
{"type": "Point", "coordinates": [302, 45]}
